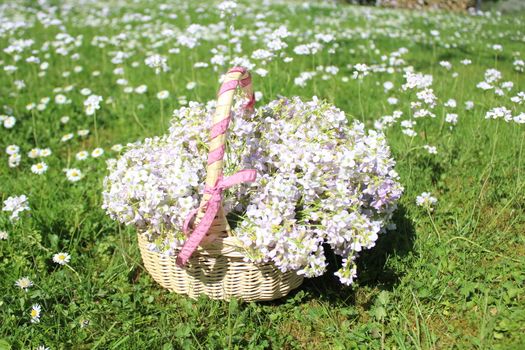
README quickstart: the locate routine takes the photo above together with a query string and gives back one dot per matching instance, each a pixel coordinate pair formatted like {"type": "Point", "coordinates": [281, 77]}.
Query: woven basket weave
{"type": "Point", "coordinates": [217, 268]}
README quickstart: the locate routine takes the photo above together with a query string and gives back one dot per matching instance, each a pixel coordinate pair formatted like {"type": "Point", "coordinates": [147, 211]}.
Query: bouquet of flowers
{"type": "Point", "coordinates": [320, 180]}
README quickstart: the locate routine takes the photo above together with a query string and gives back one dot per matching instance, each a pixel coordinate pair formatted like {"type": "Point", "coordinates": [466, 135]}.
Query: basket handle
{"type": "Point", "coordinates": [209, 216]}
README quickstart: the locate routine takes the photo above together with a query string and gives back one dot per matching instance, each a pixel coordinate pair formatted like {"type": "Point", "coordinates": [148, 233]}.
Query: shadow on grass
{"type": "Point", "coordinates": [372, 267]}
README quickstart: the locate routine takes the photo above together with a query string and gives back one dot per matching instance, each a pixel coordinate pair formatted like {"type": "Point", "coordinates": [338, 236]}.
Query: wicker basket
{"type": "Point", "coordinates": [216, 267]}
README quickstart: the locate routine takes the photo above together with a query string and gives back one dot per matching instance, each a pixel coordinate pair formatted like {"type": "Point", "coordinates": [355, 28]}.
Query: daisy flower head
{"type": "Point", "coordinates": [97, 152]}
{"type": "Point", "coordinates": [117, 148]}
{"type": "Point", "coordinates": [426, 200]}
{"type": "Point", "coordinates": [12, 149]}
{"type": "Point", "coordinates": [82, 155]}
{"type": "Point", "coordinates": [34, 153]}
{"type": "Point", "coordinates": [3, 235]}
{"type": "Point", "coordinates": [46, 152]}
{"type": "Point", "coordinates": [60, 99]}
{"type": "Point", "coordinates": [35, 313]}
{"type": "Point", "coordinates": [14, 160]}
{"type": "Point", "coordinates": [73, 175]}
{"type": "Point", "coordinates": [141, 89]}
{"type": "Point", "coordinates": [24, 283]}
{"type": "Point", "coordinates": [83, 132]}
{"type": "Point", "coordinates": [9, 122]}
{"type": "Point", "coordinates": [61, 258]}
{"type": "Point", "coordinates": [67, 137]}
{"type": "Point", "coordinates": [39, 168]}
{"type": "Point", "coordinates": [162, 95]}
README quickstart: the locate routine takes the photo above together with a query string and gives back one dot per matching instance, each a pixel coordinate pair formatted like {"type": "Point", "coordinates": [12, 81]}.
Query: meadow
{"type": "Point", "coordinates": [79, 80]}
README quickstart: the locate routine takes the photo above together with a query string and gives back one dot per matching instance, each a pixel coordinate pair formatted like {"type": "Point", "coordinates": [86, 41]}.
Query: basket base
{"type": "Point", "coordinates": [219, 276]}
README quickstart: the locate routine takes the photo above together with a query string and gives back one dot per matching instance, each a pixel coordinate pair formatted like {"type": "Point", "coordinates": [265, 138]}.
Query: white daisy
{"type": "Point", "coordinates": [67, 137]}
{"type": "Point", "coordinates": [35, 313]}
{"type": "Point", "coordinates": [61, 258]}
{"type": "Point", "coordinates": [117, 148]}
{"type": "Point", "coordinates": [46, 152]}
{"type": "Point", "coordinates": [162, 95]}
{"type": "Point", "coordinates": [82, 155]}
{"type": "Point", "coordinates": [24, 283]}
{"type": "Point", "coordinates": [34, 153]}
{"type": "Point", "coordinates": [73, 175]}
{"type": "Point", "coordinates": [83, 132]}
{"type": "Point", "coordinates": [97, 152]}
{"type": "Point", "coordinates": [39, 168]}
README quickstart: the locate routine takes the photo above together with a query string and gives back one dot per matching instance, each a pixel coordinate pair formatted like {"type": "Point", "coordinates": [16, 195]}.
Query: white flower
{"type": "Point", "coordinates": [446, 64]}
{"type": "Point", "coordinates": [141, 89]}
{"type": "Point", "coordinates": [162, 95]}
{"type": "Point", "coordinates": [82, 155]}
{"type": "Point", "coordinates": [451, 118]}
{"type": "Point", "coordinates": [24, 283]}
{"type": "Point", "coordinates": [61, 258]}
{"type": "Point", "coordinates": [499, 112]}
{"type": "Point", "coordinates": [15, 205]}
{"type": "Point", "coordinates": [39, 168]}
{"type": "Point", "coordinates": [97, 152]}
{"type": "Point", "coordinates": [67, 137]}
{"type": "Point", "coordinates": [34, 153]}
{"type": "Point", "coordinates": [46, 152]}
{"type": "Point", "coordinates": [85, 91]}
{"type": "Point", "coordinates": [60, 99]}
{"type": "Point", "coordinates": [35, 313]}
{"type": "Point", "coordinates": [227, 7]}
{"type": "Point", "coordinates": [9, 122]}
{"type": "Point", "coordinates": [392, 101]}
{"type": "Point", "coordinates": [426, 200]}
{"type": "Point", "coordinates": [12, 149]}
{"type": "Point", "coordinates": [3, 235]}
{"type": "Point", "coordinates": [388, 85]}
{"type": "Point", "coordinates": [14, 160]}
{"type": "Point", "coordinates": [117, 147]}
{"type": "Point", "coordinates": [261, 71]}
{"type": "Point", "coordinates": [360, 71]}
{"type": "Point", "coordinates": [64, 119]}
{"type": "Point", "coordinates": [83, 132]}
{"type": "Point", "coordinates": [519, 65]}
{"type": "Point", "coordinates": [92, 104]}
{"type": "Point", "coordinates": [158, 62]}
{"type": "Point", "coordinates": [191, 85]}
{"type": "Point", "coordinates": [519, 98]}
{"type": "Point", "coordinates": [520, 118]}
{"type": "Point", "coordinates": [431, 149]}
{"type": "Point", "coordinates": [451, 103]}
{"type": "Point", "coordinates": [73, 175]}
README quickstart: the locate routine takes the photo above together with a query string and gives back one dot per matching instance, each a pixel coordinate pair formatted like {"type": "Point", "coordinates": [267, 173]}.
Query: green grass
{"type": "Point", "coordinates": [451, 278]}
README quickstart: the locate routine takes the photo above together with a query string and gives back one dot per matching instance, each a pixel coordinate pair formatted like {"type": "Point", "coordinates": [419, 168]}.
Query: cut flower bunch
{"type": "Point", "coordinates": [319, 181]}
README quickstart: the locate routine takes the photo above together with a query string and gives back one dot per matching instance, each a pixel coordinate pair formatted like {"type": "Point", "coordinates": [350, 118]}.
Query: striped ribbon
{"type": "Point", "coordinates": [212, 198]}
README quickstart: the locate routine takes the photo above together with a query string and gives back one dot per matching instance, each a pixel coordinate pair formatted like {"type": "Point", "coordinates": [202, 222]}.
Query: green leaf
{"type": "Point", "coordinates": [4, 344]}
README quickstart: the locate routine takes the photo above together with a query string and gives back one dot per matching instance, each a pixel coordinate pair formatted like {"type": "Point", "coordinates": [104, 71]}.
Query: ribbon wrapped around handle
{"type": "Point", "coordinates": [215, 182]}
{"type": "Point", "coordinates": [212, 207]}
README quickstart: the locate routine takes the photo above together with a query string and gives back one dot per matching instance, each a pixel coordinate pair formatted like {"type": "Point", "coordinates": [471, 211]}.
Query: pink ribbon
{"type": "Point", "coordinates": [213, 204]}
{"type": "Point", "coordinates": [212, 207]}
